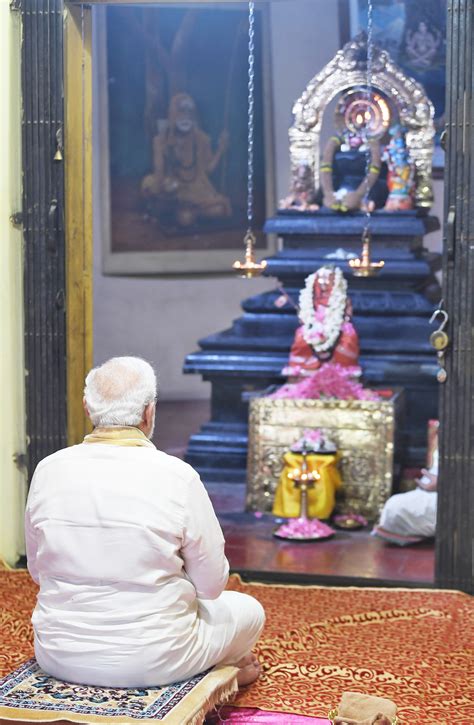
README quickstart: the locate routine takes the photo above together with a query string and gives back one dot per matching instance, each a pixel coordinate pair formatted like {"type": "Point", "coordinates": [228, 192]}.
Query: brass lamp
{"type": "Point", "coordinates": [250, 267]}
{"type": "Point", "coordinates": [363, 266]}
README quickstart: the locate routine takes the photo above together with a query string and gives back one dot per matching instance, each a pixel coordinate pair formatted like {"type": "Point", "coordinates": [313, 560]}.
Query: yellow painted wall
{"type": "Point", "coordinates": [12, 407]}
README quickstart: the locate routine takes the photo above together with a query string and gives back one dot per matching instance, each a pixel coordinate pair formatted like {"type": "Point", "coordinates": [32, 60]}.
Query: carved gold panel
{"type": "Point", "coordinates": [364, 432]}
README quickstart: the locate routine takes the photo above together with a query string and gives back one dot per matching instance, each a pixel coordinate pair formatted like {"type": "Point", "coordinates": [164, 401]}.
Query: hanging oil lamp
{"type": "Point", "coordinates": [363, 266]}
{"type": "Point", "coordinates": [250, 267]}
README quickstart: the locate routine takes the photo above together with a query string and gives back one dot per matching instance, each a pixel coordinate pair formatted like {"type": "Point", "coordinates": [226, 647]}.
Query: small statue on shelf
{"type": "Point", "coordinates": [400, 172]}
{"type": "Point", "coordinates": [302, 195]}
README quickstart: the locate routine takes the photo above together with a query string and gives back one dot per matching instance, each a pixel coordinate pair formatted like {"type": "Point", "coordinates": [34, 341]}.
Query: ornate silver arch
{"type": "Point", "coordinates": [347, 69]}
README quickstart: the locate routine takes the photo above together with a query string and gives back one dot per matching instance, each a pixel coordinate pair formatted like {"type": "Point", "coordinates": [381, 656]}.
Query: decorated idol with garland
{"type": "Point", "coordinates": [326, 333]}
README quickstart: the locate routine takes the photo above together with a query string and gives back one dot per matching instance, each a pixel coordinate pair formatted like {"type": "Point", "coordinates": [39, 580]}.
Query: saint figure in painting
{"type": "Point", "coordinates": [422, 46]}
{"type": "Point", "coordinates": [183, 159]}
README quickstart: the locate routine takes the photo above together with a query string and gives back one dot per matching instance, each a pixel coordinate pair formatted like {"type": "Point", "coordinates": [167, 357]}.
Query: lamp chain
{"type": "Point", "coordinates": [368, 214]}
{"type": "Point", "coordinates": [251, 92]}
{"type": "Point", "coordinates": [250, 267]}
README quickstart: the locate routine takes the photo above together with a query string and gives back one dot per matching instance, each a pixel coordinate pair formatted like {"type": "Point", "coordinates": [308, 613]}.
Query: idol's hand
{"type": "Point", "coordinates": [330, 201]}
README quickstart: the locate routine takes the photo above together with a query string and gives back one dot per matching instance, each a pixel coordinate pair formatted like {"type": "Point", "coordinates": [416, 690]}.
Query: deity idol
{"type": "Point", "coordinates": [351, 163]}
{"type": "Point", "coordinates": [400, 172]}
{"type": "Point", "coordinates": [183, 159]}
{"type": "Point", "coordinates": [327, 333]}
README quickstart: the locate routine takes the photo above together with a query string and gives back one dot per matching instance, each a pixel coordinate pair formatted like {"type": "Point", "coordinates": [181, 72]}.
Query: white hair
{"type": "Point", "coordinates": [117, 392]}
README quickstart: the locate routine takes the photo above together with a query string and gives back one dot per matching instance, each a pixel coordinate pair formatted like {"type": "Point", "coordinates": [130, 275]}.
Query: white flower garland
{"type": "Point", "coordinates": [322, 335]}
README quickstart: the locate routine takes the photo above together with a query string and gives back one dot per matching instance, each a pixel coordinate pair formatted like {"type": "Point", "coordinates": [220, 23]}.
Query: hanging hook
{"type": "Point", "coordinates": [444, 315]}
{"type": "Point", "coordinates": [439, 338]}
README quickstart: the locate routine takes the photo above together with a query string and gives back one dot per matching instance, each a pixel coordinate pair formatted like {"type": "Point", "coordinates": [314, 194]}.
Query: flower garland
{"type": "Point", "coordinates": [322, 326]}
{"type": "Point", "coordinates": [331, 381]}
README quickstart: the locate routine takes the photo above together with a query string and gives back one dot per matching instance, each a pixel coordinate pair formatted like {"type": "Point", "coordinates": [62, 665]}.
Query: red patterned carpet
{"type": "Point", "coordinates": [17, 599]}
{"type": "Point", "coordinates": [415, 647]}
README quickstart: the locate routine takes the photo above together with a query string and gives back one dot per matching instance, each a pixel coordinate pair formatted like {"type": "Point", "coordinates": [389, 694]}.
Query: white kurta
{"type": "Point", "coordinates": [129, 556]}
{"type": "Point", "coordinates": [412, 513]}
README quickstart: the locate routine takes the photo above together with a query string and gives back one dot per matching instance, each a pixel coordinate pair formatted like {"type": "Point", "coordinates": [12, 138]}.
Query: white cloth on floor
{"type": "Point", "coordinates": [412, 513]}
{"type": "Point", "coordinates": [129, 556]}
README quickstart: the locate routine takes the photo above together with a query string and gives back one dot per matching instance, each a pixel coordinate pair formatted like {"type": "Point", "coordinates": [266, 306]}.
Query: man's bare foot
{"type": "Point", "coordinates": [249, 670]}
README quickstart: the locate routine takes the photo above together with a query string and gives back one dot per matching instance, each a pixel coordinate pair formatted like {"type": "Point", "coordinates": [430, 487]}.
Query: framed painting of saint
{"type": "Point", "coordinates": [414, 33]}
{"type": "Point", "coordinates": [171, 95]}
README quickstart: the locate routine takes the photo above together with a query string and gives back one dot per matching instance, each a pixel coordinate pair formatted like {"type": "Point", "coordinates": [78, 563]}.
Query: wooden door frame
{"type": "Point", "coordinates": [78, 203]}
{"type": "Point", "coordinates": [450, 570]}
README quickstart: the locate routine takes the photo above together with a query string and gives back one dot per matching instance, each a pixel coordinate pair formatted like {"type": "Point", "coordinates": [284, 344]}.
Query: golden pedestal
{"type": "Point", "coordinates": [363, 430]}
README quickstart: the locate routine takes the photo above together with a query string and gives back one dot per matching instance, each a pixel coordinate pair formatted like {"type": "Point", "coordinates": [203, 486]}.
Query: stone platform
{"type": "Point", "coordinates": [391, 315]}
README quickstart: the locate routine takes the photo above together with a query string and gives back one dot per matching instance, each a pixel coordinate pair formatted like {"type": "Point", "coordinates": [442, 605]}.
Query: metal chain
{"type": "Point", "coordinates": [368, 214]}
{"type": "Point", "coordinates": [251, 90]}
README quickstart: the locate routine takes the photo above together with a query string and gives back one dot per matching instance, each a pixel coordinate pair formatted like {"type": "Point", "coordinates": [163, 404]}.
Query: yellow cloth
{"type": "Point", "coordinates": [119, 436]}
{"type": "Point", "coordinates": [321, 498]}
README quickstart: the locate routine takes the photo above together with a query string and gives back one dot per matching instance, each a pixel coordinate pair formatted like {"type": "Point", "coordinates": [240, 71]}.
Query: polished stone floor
{"type": "Point", "coordinates": [347, 558]}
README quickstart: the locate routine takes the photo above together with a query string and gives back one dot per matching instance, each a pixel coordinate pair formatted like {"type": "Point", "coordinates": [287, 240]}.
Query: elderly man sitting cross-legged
{"type": "Point", "coordinates": [128, 553]}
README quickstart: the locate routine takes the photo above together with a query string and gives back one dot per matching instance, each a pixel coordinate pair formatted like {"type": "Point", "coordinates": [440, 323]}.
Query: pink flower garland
{"type": "Point", "coordinates": [330, 381]}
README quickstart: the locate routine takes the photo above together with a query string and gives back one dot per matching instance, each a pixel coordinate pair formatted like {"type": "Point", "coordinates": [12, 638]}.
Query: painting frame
{"type": "Point", "coordinates": [350, 24]}
{"type": "Point", "coordinates": [200, 262]}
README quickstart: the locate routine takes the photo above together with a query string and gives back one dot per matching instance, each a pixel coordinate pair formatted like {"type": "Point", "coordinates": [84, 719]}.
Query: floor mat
{"type": "Point", "coordinates": [29, 694]}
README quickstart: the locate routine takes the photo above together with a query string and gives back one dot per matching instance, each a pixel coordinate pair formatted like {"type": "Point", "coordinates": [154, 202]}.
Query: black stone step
{"type": "Point", "coordinates": [326, 224]}
{"type": "Point", "coordinates": [373, 303]}
{"type": "Point", "coordinates": [275, 333]}
{"type": "Point", "coordinates": [292, 267]}
{"type": "Point", "coordinates": [254, 364]}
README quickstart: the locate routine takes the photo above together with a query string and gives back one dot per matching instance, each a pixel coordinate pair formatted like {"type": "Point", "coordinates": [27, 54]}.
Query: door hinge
{"type": "Point", "coordinates": [20, 461]}
{"type": "Point", "coordinates": [450, 233]}
{"type": "Point", "coordinates": [16, 219]}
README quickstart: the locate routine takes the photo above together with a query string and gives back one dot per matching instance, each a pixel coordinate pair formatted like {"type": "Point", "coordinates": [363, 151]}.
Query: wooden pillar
{"type": "Point", "coordinates": [42, 218]}
{"type": "Point", "coordinates": [78, 202]}
{"type": "Point", "coordinates": [454, 540]}
{"type": "Point", "coordinates": [57, 221]}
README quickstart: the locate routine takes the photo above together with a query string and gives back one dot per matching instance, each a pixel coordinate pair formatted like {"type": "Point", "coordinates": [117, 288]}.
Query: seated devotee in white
{"type": "Point", "coordinates": [128, 553]}
{"type": "Point", "coordinates": [413, 513]}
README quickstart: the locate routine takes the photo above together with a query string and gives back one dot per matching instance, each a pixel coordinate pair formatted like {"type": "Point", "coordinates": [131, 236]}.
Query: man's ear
{"type": "Point", "coordinates": [86, 409]}
{"type": "Point", "coordinates": [148, 414]}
